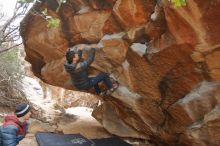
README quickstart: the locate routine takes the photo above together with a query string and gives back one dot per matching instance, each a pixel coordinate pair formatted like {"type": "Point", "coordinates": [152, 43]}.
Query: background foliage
{"type": "Point", "coordinates": [179, 3]}
{"type": "Point", "coordinates": [10, 78]}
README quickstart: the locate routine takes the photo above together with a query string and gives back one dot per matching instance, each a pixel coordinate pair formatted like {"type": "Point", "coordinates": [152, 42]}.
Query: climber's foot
{"type": "Point", "coordinates": [107, 92]}
{"type": "Point", "coordinates": [103, 93]}
{"type": "Point", "coordinates": [115, 86]}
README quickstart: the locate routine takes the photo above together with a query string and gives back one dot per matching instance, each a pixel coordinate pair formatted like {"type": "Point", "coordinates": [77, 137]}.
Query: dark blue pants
{"type": "Point", "coordinates": [94, 82]}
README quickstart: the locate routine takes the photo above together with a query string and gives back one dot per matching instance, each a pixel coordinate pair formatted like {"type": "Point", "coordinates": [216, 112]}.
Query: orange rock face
{"type": "Point", "coordinates": [88, 26]}
{"type": "Point", "coordinates": [132, 13]}
{"type": "Point", "coordinates": [166, 60]}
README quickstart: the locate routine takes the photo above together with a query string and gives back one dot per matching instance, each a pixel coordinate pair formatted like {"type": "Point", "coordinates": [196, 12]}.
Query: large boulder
{"type": "Point", "coordinates": [160, 54]}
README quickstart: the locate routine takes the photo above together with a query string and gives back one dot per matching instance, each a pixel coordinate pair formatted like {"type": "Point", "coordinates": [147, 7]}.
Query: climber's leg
{"type": "Point", "coordinates": [106, 79]}
{"type": "Point", "coordinates": [102, 77]}
{"type": "Point", "coordinates": [97, 89]}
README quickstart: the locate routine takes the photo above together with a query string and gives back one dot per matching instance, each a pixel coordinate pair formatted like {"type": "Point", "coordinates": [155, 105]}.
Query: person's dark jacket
{"type": "Point", "coordinates": [78, 72]}
{"type": "Point", "coordinates": [13, 130]}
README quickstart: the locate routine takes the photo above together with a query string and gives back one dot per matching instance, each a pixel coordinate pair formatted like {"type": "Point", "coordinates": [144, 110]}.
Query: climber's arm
{"type": "Point", "coordinates": [79, 52]}
{"type": "Point", "coordinates": [89, 60]}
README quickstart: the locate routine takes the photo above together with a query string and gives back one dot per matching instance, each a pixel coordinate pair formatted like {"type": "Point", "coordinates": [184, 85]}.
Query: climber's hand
{"type": "Point", "coordinates": [81, 47]}
{"type": "Point", "coordinates": [97, 46]}
{"type": "Point", "coordinates": [93, 46]}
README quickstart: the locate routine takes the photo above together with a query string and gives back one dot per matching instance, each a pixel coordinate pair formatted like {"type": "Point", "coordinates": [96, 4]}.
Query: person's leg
{"type": "Point", "coordinates": [97, 89]}
{"type": "Point", "coordinates": [102, 77]}
{"type": "Point", "coordinates": [94, 82]}
{"type": "Point", "coordinates": [106, 79]}
{"type": "Point", "coordinates": [111, 86]}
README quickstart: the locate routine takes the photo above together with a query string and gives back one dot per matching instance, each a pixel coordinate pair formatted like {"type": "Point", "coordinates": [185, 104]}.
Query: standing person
{"type": "Point", "coordinates": [15, 125]}
{"type": "Point", "coordinates": [78, 71]}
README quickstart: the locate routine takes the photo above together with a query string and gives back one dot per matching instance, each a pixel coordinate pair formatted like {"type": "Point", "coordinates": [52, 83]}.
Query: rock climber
{"type": "Point", "coordinates": [15, 125]}
{"type": "Point", "coordinates": [78, 70]}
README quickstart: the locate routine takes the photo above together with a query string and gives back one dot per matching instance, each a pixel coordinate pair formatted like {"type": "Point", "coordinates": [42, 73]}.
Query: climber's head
{"type": "Point", "coordinates": [75, 58]}
{"type": "Point", "coordinates": [71, 56]}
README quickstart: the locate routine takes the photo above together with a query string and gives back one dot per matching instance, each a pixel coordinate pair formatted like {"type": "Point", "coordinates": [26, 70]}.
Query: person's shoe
{"type": "Point", "coordinates": [115, 86]}
{"type": "Point", "coordinates": [108, 92]}
{"type": "Point", "coordinates": [103, 93]}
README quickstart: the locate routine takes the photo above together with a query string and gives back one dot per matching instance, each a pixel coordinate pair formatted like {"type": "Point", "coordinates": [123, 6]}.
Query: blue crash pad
{"type": "Point", "coordinates": [113, 141]}
{"type": "Point", "coordinates": [51, 139]}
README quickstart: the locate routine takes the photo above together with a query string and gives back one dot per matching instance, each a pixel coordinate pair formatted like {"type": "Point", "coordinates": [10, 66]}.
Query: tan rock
{"type": "Point", "coordinates": [50, 72]}
{"type": "Point", "coordinates": [38, 126]}
{"type": "Point", "coordinates": [28, 140]}
{"type": "Point", "coordinates": [212, 122]}
{"type": "Point", "coordinates": [75, 99]}
{"type": "Point", "coordinates": [108, 4]}
{"type": "Point", "coordinates": [182, 52]}
{"type": "Point", "coordinates": [84, 124]}
{"type": "Point", "coordinates": [195, 105]}
{"type": "Point", "coordinates": [112, 54]}
{"type": "Point", "coordinates": [111, 26]}
{"type": "Point", "coordinates": [111, 121]}
{"type": "Point", "coordinates": [215, 74]}
{"type": "Point", "coordinates": [115, 51]}
{"type": "Point", "coordinates": [136, 34]}
{"type": "Point", "coordinates": [41, 41]}
{"type": "Point", "coordinates": [212, 61]}
{"type": "Point", "coordinates": [157, 26]}
{"type": "Point", "coordinates": [217, 96]}
{"type": "Point", "coordinates": [198, 57]}
{"type": "Point", "coordinates": [144, 80]}
{"type": "Point", "coordinates": [132, 13]}
{"type": "Point", "coordinates": [176, 72]}
{"type": "Point", "coordinates": [124, 75]}
{"type": "Point", "coordinates": [88, 27]}
{"type": "Point", "coordinates": [80, 6]}
{"type": "Point", "coordinates": [164, 41]}
{"type": "Point", "coordinates": [208, 129]}
{"type": "Point", "coordinates": [135, 101]}
{"type": "Point", "coordinates": [179, 27]}
{"type": "Point", "coordinates": [195, 24]}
